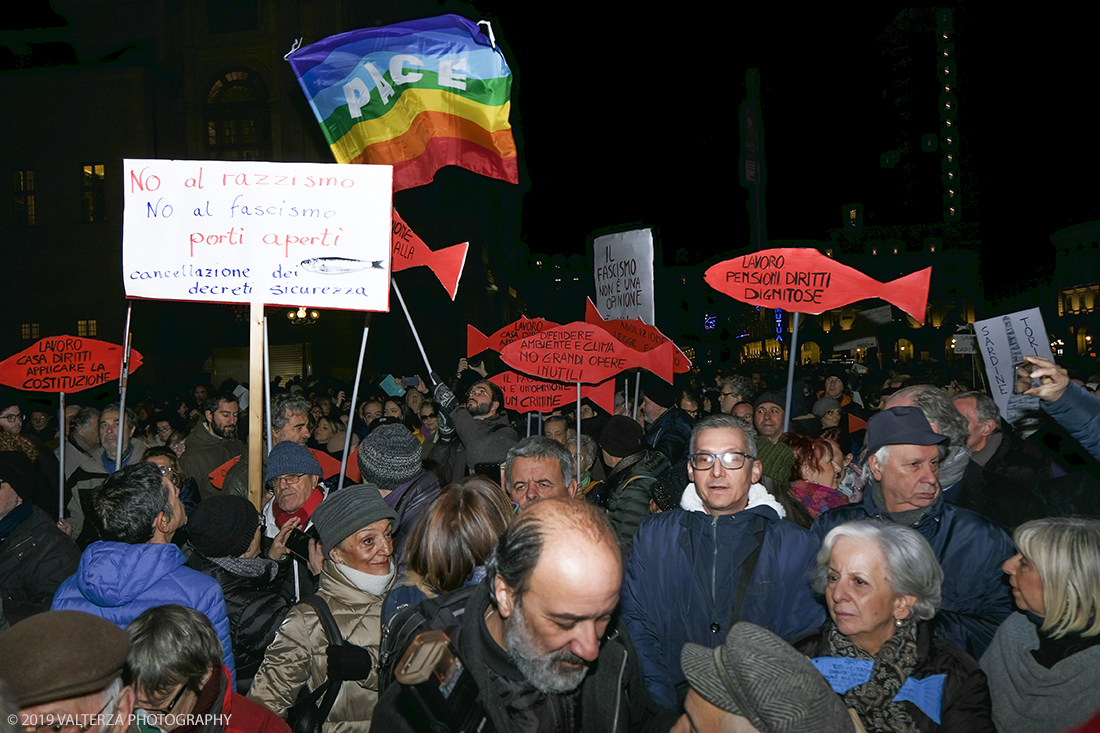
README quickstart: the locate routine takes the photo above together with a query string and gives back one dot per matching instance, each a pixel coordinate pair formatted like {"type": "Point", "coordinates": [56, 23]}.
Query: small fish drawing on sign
{"type": "Point", "coordinates": [339, 265]}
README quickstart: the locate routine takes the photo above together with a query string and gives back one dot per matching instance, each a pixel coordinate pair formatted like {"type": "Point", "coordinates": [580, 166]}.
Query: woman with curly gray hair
{"type": "Point", "coordinates": [881, 583]}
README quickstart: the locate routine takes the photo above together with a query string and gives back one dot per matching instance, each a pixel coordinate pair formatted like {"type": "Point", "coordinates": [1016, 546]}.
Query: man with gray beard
{"type": "Point", "coordinates": [540, 634]}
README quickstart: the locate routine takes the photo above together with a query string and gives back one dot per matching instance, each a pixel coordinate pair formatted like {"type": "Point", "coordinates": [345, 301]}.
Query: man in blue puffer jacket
{"type": "Point", "coordinates": [137, 567]}
{"type": "Point", "coordinates": [725, 556]}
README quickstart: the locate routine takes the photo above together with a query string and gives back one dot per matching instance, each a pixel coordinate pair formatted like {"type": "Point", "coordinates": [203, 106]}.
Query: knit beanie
{"type": "Point", "coordinates": [345, 512]}
{"type": "Point", "coordinates": [622, 436]}
{"type": "Point", "coordinates": [390, 457]}
{"type": "Point", "coordinates": [223, 526]}
{"type": "Point", "coordinates": [777, 460]}
{"type": "Point", "coordinates": [16, 470]}
{"type": "Point", "coordinates": [775, 397]}
{"type": "Point", "coordinates": [669, 487]}
{"type": "Point", "coordinates": [825, 404]}
{"type": "Point", "coordinates": [658, 390]}
{"type": "Point", "coordinates": [289, 457]}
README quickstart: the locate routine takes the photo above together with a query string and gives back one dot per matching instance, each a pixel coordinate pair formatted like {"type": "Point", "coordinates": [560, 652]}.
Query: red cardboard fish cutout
{"type": "Point", "coordinates": [524, 394]}
{"type": "Point", "coordinates": [476, 341]}
{"type": "Point", "coordinates": [637, 334]}
{"type": "Point", "coordinates": [807, 281]}
{"type": "Point", "coordinates": [408, 250]}
{"type": "Point", "coordinates": [581, 352]}
{"type": "Point", "coordinates": [65, 364]}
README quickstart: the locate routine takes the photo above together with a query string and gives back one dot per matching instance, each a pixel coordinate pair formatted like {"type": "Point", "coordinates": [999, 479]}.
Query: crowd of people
{"type": "Point", "coordinates": [869, 552]}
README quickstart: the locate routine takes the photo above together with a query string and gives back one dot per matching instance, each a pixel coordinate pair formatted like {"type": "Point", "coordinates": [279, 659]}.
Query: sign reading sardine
{"type": "Point", "coordinates": [580, 352]}
{"type": "Point", "coordinates": [806, 281]}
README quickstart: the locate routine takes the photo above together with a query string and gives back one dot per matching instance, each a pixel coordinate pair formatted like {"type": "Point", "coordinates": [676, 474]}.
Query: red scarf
{"type": "Point", "coordinates": [304, 512]}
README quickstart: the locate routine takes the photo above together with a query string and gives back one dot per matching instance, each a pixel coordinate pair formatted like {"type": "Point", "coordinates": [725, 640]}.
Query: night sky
{"type": "Point", "coordinates": [627, 116]}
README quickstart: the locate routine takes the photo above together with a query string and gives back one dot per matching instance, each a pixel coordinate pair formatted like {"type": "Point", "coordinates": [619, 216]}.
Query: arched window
{"type": "Point", "coordinates": [238, 117]}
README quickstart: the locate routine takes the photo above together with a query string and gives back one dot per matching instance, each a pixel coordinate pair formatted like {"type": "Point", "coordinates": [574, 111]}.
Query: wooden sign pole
{"type": "Point", "coordinates": [61, 455]}
{"type": "Point", "coordinates": [255, 402]}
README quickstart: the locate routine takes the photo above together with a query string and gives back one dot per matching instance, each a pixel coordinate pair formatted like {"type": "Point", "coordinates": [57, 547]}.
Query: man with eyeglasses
{"type": "Point", "coordinates": [11, 417]}
{"type": "Point", "coordinates": [84, 482]}
{"type": "Point", "coordinates": [735, 389]}
{"type": "Point", "coordinates": [179, 681]}
{"type": "Point", "coordinates": [64, 672]}
{"type": "Point", "coordinates": [726, 555]}
{"type": "Point", "coordinates": [293, 476]}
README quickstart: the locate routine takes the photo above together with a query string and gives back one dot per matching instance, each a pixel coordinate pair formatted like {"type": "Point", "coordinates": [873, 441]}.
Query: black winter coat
{"type": "Point", "coordinates": [256, 607]}
{"type": "Point", "coordinates": [35, 558]}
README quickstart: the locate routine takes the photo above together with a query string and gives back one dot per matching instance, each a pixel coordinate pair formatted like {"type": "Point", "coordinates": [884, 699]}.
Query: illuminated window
{"type": "Point", "coordinates": [94, 193]}
{"type": "Point", "coordinates": [238, 117]}
{"type": "Point", "coordinates": [30, 331]}
{"type": "Point", "coordinates": [86, 328]}
{"type": "Point", "coordinates": [22, 187]}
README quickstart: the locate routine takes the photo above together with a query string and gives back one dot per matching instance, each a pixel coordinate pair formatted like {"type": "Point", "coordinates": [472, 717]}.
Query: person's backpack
{"type": "Point", "coordinates": [443, 613]}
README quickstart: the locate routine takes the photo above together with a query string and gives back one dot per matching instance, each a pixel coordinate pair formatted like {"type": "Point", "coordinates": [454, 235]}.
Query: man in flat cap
{"type": "Point", "coordinates": [64, 669]}
{"type": "Point", "coordinates": [746, 685]}
{"type": "Point", "coordinates": [904, 455]}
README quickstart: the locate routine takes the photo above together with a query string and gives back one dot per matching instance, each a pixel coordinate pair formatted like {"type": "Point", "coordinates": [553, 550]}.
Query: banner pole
{"type": "Point", "coordinates": [267, 384]}
{"type": "Point", "coordinates": [61, 456]}
{"type": "Point", "coordinates": [577, 460]}
{"type": "Point", "coordinates": [354, 398]}
{"type": "Point", "coordinates": [416, 335]}
{"type": "Point", "coordinates": [256, 360]}
{"type": "Point", "coordinates": [637, 389]}
{"type": "Point", "coordinates": [790, 372]}
{"type": "Point", "coordinates": [123, 378]}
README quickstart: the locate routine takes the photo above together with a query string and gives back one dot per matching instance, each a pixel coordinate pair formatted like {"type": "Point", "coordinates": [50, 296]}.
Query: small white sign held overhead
{"type": "Point", "coordinates": [295, 234]}
{"type": "Point", "coordinates": [1003, 342]}
{"type": "Point", "coordinates": [624, 275]}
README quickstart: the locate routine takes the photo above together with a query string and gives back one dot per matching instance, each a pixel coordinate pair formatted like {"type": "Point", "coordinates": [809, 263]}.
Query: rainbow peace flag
{"type": "Point", "coordinates": [418, 96]}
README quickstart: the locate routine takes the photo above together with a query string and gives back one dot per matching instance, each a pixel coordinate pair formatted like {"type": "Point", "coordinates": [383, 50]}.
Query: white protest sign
{"type": "Point", "coordinates": [966, 343]}
{"type": "Point", "coordinates": [624, 275]}
{"type": "Point", "coordinates": [1003, 342]}
{"type": "Point", "coordinates": [294, 234]}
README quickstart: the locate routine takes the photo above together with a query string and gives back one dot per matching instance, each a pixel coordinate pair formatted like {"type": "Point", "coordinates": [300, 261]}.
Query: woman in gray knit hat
{"type": "Point", "coordinates": [356, 528]}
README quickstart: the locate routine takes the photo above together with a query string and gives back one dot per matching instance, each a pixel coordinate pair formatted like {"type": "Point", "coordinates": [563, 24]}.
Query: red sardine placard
{"type": "Point", "coordinates": [806, 281]}
{"type": "Point", "coordinates": [581, 352]}
{"type": "Point", "coordinates": [635, 333]}
{"type": "Point", "coordinates": [408, 250]}
{"type": "Point", "coordinates": [476, 341]}
{"type": "Point", "coordinates": [65, 364]}
{"type": "Point", "coordinates": [524, 394]}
